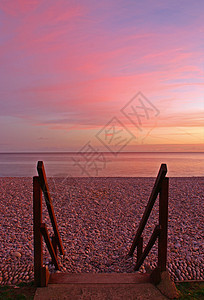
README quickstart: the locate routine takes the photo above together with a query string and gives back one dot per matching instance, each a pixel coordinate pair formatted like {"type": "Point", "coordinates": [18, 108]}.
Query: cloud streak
{"type": "Point", "coordinates": [68, 63]}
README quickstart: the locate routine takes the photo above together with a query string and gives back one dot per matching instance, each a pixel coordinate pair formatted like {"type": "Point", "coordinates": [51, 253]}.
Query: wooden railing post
{"type": "Point", "coordinates": [163, 222]}
{"type": "Point", "coordinates": [37, 220]}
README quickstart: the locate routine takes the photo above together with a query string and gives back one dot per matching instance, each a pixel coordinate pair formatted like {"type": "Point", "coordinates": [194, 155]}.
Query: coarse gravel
{"type": "Point", "coordinates": [97, 220]}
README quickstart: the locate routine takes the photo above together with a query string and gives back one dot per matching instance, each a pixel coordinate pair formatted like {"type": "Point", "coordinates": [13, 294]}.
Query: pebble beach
{"type": "Point", "coordinates": [97, 220]}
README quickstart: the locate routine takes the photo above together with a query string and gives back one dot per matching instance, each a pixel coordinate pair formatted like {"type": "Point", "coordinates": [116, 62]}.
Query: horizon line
{"type": "Point", "coordinates": [78, 152]}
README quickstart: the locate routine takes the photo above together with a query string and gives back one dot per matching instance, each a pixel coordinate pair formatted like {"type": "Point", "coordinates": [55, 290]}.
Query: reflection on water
{"type": "Point", "coordinates": [134, 164]}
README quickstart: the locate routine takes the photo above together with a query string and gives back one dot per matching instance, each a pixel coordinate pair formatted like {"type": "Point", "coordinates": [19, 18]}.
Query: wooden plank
{"type": "Point", "coordinates": [156, 189]}
{"type": "Point", "coordinates": [45, 275]}
{"type": "Point", "coordinates": [163, 222]}
{"type": "Point", "coordinates": [48, 200]}
{"type": "Point", "coordinates": [37, 220]}
{"type": "Point", "coordinates": [44, 231]}
{"type": "Point", "coordinates": [149, 246]}
{"type": "Point", "coordinates": [95, 278]}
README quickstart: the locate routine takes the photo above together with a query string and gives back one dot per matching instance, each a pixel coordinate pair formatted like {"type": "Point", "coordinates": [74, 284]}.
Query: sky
{"type": "Point", "coordinates": [124, 75]}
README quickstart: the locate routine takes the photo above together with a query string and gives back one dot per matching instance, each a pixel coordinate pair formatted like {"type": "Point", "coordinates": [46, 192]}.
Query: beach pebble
{"type": "Point", "coordinates": [16, 254]}
{"type": "Point", "coordinates": [97, 220]}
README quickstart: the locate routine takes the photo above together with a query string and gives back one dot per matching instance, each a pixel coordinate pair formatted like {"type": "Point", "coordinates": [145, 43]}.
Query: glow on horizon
{"type": "Point", "coordinates": [68, 67]}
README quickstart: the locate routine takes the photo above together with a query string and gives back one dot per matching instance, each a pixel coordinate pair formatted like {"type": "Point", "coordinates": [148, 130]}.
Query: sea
{"type": "Point", "coordinates": [102, 164]}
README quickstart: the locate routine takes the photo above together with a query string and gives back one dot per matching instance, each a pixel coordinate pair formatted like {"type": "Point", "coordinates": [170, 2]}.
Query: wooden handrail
{"type": "Point", "coordinates": [48, 200]}
{"type": "Point", "coordinates": [161, 187]}
{"type": "Point", "coordinates": [156, 189]}
{"type": "Point", "coordinates": [41, 272]}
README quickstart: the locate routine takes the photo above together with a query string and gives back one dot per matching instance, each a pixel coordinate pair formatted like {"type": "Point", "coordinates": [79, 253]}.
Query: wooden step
{"type": "Point", "coordinates": [95, 286]}
{"type": "Point", "coordinates": [97, 278]}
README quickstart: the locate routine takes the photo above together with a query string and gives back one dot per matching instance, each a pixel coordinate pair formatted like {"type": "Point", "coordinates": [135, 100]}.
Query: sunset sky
{"type": "Point", "coordinates": [68, 68]}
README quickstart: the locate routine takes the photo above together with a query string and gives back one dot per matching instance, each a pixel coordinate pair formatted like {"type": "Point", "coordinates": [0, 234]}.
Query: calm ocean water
{"type": "Point", "coordinates": [140, 164]}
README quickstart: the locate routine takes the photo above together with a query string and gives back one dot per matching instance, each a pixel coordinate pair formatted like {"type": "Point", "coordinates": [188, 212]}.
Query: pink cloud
{"type": "Point", "coordinates": [18, 7]}
{"type": "Point", "coordinates": [67, 63]}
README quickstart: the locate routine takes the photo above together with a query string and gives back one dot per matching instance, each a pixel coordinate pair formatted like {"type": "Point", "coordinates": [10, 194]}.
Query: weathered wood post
{"type": "Point", "coordinates": [37, 220]}
{"type": "Point", "coordinates": [163, 222]}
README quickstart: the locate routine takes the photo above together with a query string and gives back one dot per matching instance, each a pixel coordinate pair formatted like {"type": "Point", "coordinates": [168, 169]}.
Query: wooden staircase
{"type": "Point", "coordinates": [84, 286]}
{"type": "Point", "coordinates": [99, 287]}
